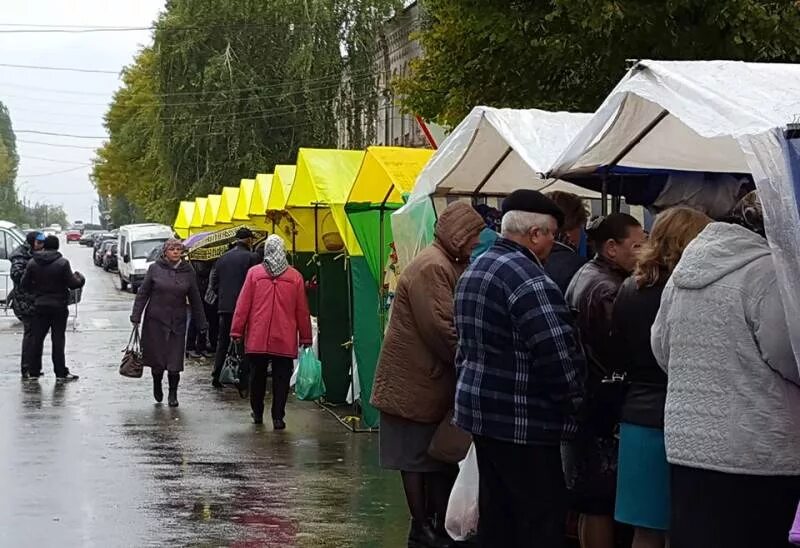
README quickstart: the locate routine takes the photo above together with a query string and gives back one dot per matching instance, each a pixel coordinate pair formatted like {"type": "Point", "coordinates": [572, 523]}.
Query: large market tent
{"type": "Point", "coordinates": [227, 207]}
{"type": "Point", "coordinates": [489, 154]}
{"type": "Point", "coordinates": [316, 202]}
{"type": "Point", "coordinates": [183, 219]}
{"type": "Point", "coordinates": [386, 175]}
{"type": "Point", "coordinates": [295, 223]}
{"type": "Point", "coordinates": [213, 202]}
{"type": "Point", "coordinates": [196, 224]}
{"type": "Point", "coordinates": [708, 116]}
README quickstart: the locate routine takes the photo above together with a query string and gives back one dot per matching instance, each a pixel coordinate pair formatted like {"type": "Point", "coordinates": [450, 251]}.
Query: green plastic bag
{"type": "Point", "coordinates": [309, 386]}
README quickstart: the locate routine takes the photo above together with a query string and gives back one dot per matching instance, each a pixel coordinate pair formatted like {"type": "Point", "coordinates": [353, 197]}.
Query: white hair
{"type": "Point", "coordinates": [521, 222]}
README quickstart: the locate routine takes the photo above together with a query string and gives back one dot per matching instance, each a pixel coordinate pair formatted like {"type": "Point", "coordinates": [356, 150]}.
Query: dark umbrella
{"type": "Point", "coordinates": [211, 245]}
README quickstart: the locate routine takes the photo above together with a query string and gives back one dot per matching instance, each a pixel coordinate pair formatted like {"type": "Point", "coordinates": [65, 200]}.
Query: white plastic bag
{"type": "Point", "coordinates": [461, 521]}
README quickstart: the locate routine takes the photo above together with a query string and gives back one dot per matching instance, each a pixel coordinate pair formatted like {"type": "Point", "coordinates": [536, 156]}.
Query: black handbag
{"type": "Point", "coordinates": [132, 362]}
{"type": "Point", "coordinates": [230, 373]}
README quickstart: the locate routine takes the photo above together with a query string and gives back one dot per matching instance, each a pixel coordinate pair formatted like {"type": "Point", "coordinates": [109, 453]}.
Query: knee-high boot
{"type": "Point", "coordinates": [158, 392]}
{"type": "Point", "coordinates": [174, 379]}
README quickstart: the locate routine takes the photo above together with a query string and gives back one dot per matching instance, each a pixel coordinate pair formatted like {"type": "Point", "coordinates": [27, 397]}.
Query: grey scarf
{"type": "Point", "coordinates": [275, 256]}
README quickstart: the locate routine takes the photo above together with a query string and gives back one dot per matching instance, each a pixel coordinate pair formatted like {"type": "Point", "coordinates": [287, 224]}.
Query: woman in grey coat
{"type": "Point", "coordinates": [168, 284]}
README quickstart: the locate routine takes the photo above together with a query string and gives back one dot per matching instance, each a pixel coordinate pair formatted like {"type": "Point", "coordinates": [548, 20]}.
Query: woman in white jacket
{"type": "Point", "coordinates": [732, 415]}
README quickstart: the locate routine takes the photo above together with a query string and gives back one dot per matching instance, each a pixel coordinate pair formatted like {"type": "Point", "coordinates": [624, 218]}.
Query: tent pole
{"type": "Point", "coordinates": [492, 171]}
{"type": "Point", "coordinates": [604, 196]}
{"type": "Point", "coordinates": [381, 258]}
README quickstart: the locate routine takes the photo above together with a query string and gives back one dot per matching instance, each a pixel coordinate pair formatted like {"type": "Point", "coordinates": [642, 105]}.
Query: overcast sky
{"type": "Point", "coordinates": [33, 107]}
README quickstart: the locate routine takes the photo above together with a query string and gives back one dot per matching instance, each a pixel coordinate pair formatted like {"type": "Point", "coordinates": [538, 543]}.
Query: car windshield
{"type": "Point", "coordinates": [141, 249]}
{"type": "Point", "coordinates": [18, 233]}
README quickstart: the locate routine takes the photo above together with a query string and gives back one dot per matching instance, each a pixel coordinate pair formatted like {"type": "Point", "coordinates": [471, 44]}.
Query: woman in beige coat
{"type": "Point", "coordinates": [415, 379]}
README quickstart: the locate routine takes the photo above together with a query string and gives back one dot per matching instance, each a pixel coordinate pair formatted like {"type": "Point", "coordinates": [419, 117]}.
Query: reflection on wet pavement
{"type": "Point", "coordinates": [97, 463]}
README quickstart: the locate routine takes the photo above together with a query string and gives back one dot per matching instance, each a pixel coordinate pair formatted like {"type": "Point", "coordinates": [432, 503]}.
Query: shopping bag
{"type": "Point", "coordinates": [449, 443]}
{"type": "Point", "coordinates": [310, 385]}
{"type": "Point", "coordinates": [230, 368]}
{"type": "Point", "coordinates": [461, 520]}
{"type": "Point", "coordinates": [132, 362]}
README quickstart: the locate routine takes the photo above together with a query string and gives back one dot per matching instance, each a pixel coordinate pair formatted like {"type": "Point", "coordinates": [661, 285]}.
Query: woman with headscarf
{"type": "Point", "coordinates": [162, 298]}
{"type": "Point", "coordinates": [643, 473]}
{"type": "Point", "coordinates": [273, 318]}
{"type": "Point", "coordinates": [732, 413]}
{"type": "Point", "coordinates": [415, 380]}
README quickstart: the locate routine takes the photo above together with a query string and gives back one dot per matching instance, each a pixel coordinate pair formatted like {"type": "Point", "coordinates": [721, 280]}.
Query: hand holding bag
{"type": "Point", "coordinates": [449, 443]}
{"type": "Point", "coordinates": [132, 362]}
{"type": "Point", "coordinates": [230, 368]}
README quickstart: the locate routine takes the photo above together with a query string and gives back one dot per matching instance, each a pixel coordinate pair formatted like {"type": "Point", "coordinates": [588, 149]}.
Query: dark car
{"type": "Point", "coordinates": [99, 240]}
{"type": "Point", "coordinates": [110, 256]}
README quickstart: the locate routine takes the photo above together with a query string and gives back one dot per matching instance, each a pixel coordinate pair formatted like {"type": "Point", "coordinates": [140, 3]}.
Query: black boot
{"type": "Point", "coordinates": [158, 392]}
{"type": "Point", "coordinates": [172, 398]}
{"type": "Point", "coordinates": [423, 535]}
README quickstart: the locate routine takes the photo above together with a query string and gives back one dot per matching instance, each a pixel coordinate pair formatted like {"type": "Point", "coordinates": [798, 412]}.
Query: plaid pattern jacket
{"type": "Point", "coordinates": [520, 366]}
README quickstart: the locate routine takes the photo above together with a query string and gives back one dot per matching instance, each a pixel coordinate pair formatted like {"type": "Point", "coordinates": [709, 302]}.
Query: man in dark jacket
{"type": "Point", "coordinates": [564, 260]}
{"type": "Point", "coordinates": [22, 300]}
{"type": "Point", "coordinates": [226, 282]}
{"type": "Point", "coordinates": [49, 278]}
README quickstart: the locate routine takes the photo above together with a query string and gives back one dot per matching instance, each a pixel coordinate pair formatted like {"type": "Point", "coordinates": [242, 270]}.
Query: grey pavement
{"type": "Point", "coordinates": [97, 463]}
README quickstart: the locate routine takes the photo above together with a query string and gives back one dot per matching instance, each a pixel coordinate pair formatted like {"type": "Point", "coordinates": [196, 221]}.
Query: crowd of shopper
{"type": "Point", "coordinates": [647, 386]}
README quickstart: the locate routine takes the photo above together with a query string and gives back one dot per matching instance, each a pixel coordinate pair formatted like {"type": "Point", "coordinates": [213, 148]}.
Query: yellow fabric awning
{"type": "Point", "coordinates": [227, 205]}
{"type": "Point", "coordinates": [261, 190]}
{"type": "Point", "coordinates": [282, 183]}
{"type": "Point", "coordinates": [387, 173]}
{"type": "Point", "coordinates": [324, 179]}
{"type": "Point", "coordinates": [183, 219]}
{"type": "Point", "coordinates": [242, 210]}
{"type": "Point", "coordinates": [212, 208]}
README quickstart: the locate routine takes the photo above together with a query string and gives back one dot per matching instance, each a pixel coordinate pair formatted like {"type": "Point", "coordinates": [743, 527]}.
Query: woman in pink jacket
{"type": "Point", "coordinates": [272, 316]}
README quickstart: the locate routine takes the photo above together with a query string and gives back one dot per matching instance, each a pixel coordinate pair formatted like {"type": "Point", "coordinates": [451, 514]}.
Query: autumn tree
{"type": "Point", "coordinates": [568, 54]}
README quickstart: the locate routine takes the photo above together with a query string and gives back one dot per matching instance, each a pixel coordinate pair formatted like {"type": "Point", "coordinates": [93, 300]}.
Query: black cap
{"type": "Point", "coordinates": [244, 233]}
{"type": "Point", "coordinates": [532, 201]}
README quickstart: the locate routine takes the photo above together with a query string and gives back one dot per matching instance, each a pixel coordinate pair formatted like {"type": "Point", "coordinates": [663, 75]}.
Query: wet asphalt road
{"type": "Point", "coordinates": [97, 463]}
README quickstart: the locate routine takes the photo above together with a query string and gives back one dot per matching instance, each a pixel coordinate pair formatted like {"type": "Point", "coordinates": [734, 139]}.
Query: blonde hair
{"type": "Point", "coordinates": [672, 232]}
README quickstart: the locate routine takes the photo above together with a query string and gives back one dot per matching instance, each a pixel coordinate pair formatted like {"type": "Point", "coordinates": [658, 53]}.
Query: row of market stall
{"type": "Point", "coordinates": [340, 210]}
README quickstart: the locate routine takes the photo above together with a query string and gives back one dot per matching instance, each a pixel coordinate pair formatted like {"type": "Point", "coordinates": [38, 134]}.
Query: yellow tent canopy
{"type": "Point", "coordinates": [183, 220]}
{"type": "Point", "coordinates": [227, 205]}
{"type": "Point", "coordinates": [260, 194]}
{"type": "Point", "coordinates": [212, 208]}
{"type": "Point", "coordinates": [242, 210]}
{"type": "Point", "coordinates": [321, 186]}
{"type": "Point", "coordinates": [387, 173]}
{"type": "Point", "coordinates": [281, 187]}
{"type": "Point", "coordinates": [196, 224]}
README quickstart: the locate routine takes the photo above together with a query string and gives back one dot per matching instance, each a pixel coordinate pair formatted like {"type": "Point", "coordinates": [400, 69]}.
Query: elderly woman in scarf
{"type": "Point", "coordinates": [162, 298]}
{"type": "Point", "coordinates": [272, 316]}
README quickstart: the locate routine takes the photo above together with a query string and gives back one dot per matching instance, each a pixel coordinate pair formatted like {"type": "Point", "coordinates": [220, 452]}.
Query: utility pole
{"type": "Point", "coordinates": [91, 214]}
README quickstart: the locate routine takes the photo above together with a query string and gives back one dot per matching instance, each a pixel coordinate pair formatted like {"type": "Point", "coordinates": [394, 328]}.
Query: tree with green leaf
{"type": "Point", "coordinates": [10, 209]}
{"type": "Point", "coordinates": [568, 54]}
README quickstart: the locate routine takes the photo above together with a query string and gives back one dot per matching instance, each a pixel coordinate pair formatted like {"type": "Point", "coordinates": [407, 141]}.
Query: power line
{"type": "Point", "coordinates": [69, 69]}
{"type": "Point", "coordinates": [58, 145]}
{"type": "Point", "coordinates": [42, 158]}
{"type": "Point", "coordinates": [26, 176]}
{"type": "Point", "coordinates": [55, 134]}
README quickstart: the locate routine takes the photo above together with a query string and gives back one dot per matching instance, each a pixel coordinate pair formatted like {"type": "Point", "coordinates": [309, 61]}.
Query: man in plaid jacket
{"type": "Point", "coordinates": [520, 377]}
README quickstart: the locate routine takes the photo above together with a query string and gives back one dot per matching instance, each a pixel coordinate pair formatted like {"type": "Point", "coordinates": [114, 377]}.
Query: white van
{"type": "Point", "coordinates": [10, 238]}
{"type": "Point", "coordinates": [134, 246]}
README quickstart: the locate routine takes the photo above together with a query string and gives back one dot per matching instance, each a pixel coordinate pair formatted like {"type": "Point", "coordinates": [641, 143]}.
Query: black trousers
{"type": "Point", "coordinates": [195, 340]}
{"type": "Point", "coordinates": [53, 320]}
{"type": "Point", "coordinates": [522, 496]}
{"type": "Point", "coordinates": [711, 508]}
{"type": "Point", "coordinates": [281, 375]}
{"type": "Point", "coordinates": [27, 343]}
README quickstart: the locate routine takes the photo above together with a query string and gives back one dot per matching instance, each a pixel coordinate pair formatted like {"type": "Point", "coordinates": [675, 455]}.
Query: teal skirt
{"type": "Point", "coordinates": [643, 495]}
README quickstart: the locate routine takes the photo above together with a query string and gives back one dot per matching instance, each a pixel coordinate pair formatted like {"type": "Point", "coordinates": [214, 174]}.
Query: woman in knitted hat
{"type": "Point", "coordinates": [273, 318]}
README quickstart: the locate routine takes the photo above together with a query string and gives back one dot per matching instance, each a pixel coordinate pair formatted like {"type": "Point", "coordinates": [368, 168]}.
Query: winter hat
{"type": "Point", "coordinates": [275, 255]}
{"type": "Point", "coordinates": [244, 233]}
{"type": "Point", "coordinates": [750, 213]}
{"type": "Point", "coordinates": [532, 201]}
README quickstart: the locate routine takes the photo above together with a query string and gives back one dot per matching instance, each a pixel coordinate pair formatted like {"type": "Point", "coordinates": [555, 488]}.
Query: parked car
{"type": "Point", "coordinates": [10, 238]}
{"type": "Point", "coordinates": [98, 244]}
{"type": "Point", "coordinates": [110, 256]}
{"type": "Point", "coordinates": [87, 238]}
{"type": "Point", "coordinates": [73, 235]}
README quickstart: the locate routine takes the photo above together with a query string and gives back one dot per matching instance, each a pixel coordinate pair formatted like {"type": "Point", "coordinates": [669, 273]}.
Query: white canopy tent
{"type": "Point", "coordinates": [489, 154]}
{"type": "Point", "coordinates": [710, 116]}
